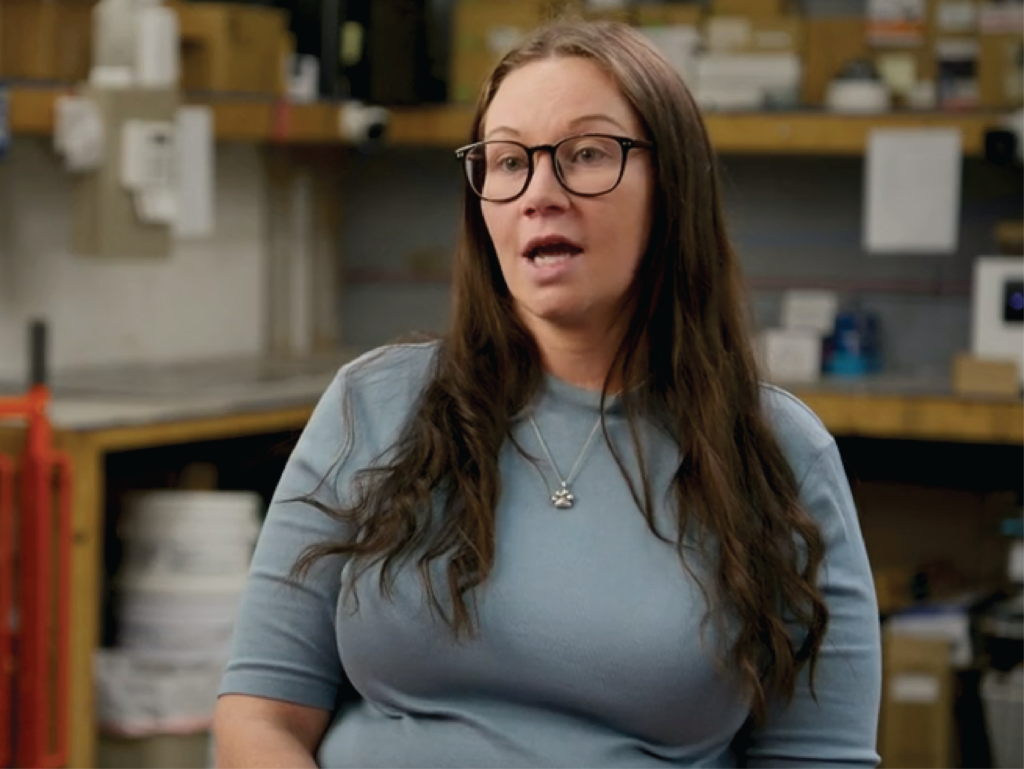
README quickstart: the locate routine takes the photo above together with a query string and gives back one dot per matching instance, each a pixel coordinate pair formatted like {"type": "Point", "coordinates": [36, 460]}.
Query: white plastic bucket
{"type": "Point", "coordinates": [177, 619]}
{"type": "Point", "coordinates": [190, 533]}
{"type": "Point", "coordinates": [142, 698]}
{"type": "Point", "coordinates": [1002, 695]}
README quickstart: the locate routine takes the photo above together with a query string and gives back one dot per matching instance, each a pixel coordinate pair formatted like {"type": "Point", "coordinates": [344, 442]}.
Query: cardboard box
{"type": "Point", "coordinates": [665, 15]}
{"type": "Point", "coordinates": [1001, 71]}
{"type": "Point", "coordinates": [892, 588]}
{"type": "Point", "coordinates": [234, 48]}
{"type": "Point", "coordinates": [42, 40]}
{"type": "Point", "coordinates": [493, 26]}
{"type": "Point", "coordinates": [829, 44]}
{"type": "Point", "coordinates": [182, 751]}
{"type": "Point", "coordinates": [985, 376]}
{"type": "Point", "coordinates": [917, 702]}
{"type": "Point", "coordinates": [755, 9]}
{"type": "Point", "coordinates": [739, 34]}
{"type": "Point", "coordinates": [484, 30]}
{"type": "Point", "coordinates": [1010, 237]}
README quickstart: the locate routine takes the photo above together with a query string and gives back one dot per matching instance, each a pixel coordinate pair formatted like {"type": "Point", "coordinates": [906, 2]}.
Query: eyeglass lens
{"type": "Point", "coordinates": [587, 165]}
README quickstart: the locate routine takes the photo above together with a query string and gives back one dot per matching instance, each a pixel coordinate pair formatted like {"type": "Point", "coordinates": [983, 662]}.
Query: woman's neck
{"type": "Point", "coordinates": [580, 357]}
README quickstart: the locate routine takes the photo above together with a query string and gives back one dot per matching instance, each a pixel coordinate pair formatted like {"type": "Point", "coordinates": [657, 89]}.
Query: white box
{"type": "Point", "coordinates": [810, 310]}
{"type": "Point", "coordinates": [747, 80]}
{"type": "Point", "coordinates": [790, 355]}
{"type": "Point", "coordinates": [679, 44]}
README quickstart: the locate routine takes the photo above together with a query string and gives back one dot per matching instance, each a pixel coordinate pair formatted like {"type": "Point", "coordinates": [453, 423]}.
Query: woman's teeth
{"type": "Point", "coordinates": [548, 259]}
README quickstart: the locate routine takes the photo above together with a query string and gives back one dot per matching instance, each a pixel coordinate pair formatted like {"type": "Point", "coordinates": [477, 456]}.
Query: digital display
{"type": "Point", "coordinates": [1013, 301]}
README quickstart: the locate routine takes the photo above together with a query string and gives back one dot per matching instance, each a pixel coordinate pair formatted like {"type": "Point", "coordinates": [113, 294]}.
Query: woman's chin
{"type": "Point", "coordinates": [561, 314]}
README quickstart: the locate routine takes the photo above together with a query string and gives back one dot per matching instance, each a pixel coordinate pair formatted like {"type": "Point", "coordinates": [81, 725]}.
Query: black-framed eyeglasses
{"type": "Point", "coordinates": [588, 165]}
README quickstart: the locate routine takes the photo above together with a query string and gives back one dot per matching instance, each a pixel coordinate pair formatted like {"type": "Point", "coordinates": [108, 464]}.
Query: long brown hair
{"type": "Point", "coordinates": [689, 345]}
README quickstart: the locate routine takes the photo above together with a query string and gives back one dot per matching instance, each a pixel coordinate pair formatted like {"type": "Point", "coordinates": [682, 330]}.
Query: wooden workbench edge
{"type": "Point", "coordinates": [869, 415]}
{"type": "Point", "coordinates": [917, 417]}
{"type": "Point", "coordinates": [194, 429]}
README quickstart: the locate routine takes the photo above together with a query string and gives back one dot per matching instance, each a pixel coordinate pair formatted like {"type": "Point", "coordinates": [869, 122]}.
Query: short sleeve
{"type": "Point", "coordinates": [284, 644]}
{"type": "Point", "coordinates": [839, 728]}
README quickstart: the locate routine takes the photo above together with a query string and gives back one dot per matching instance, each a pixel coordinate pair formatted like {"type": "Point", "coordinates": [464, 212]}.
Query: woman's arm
{"type": "Point", "coordinates": [256, 732]}
{"type": "Point", "coordinates": [282, 679]}
{"type": "Point", "coordinates": [837, 726]}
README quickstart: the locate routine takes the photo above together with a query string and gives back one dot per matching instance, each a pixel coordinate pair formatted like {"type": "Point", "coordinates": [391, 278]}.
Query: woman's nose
{"type": "Point", "coordinates": [544, 192]}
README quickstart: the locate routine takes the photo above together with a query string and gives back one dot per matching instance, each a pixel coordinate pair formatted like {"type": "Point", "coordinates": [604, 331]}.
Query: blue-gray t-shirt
{"type": "Point", "coordinates": [589, 650]}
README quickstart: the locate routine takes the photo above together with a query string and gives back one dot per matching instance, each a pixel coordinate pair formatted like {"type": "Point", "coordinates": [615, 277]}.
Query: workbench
{"type": "Point", "coordinates": [91, 428]}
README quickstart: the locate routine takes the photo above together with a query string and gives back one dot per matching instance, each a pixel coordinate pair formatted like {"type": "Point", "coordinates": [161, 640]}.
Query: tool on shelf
{"type": "Point", "coordinates": [35, 584]}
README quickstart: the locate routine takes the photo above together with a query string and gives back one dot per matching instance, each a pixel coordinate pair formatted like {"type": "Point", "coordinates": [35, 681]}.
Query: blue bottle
{"type": "Point", "coordinates": [854, 349]}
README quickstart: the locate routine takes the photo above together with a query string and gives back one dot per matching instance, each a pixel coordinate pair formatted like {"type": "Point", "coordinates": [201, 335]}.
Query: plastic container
{"type": "Point", "coordinates": [177, 619]}
{"type": "Point", "coordinates": [137, 699]}
{"type": "Point", "coordinates": [1002, 696]}
{"type": "Point", "coordinates": [190, 533]}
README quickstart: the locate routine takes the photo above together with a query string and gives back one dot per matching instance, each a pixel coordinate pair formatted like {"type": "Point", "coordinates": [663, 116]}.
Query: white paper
{"type": "Point", "coordinates": [195, 173]}
{"type": "Point", "coordinates": [912, 191]}
{"type": "Point", "coordinates": [810, 310]}
{"type": "Point", "coordinates": [79, 133]}
{"type": "Point", "coordinates": [917, 688]}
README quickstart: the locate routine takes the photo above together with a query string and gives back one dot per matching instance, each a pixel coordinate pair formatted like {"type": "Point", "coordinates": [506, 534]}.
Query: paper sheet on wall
{"type": "Point", "coordinates": [195, 173]}
{"type": "Point", "coordinates": [912, 191]}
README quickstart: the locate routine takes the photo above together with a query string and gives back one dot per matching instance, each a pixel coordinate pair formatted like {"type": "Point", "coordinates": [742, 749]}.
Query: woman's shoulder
{"type": "Point", "coordinates": [407, 362]}
{"type": "Point", "coordinates": [802, 436]}
{"type": "Point", "coordinates": [391, 376]}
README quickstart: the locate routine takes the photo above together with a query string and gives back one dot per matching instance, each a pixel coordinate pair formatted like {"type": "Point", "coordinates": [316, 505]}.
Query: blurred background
{"type": "Point", "coordinates": [207, 207]}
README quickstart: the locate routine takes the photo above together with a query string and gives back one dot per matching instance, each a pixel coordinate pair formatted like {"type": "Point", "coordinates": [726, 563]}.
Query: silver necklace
{"type": "Point", "coordinates": [562, 497]}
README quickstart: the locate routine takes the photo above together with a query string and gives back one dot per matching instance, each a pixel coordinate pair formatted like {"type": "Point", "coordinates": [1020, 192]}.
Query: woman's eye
{"type": "Point", "coordinates": [510, 163]}
{"type": "Point", "coordinates": [588, 154]}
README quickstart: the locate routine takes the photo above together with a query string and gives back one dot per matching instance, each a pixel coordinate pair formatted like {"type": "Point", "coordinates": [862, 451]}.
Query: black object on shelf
{"type": "Point", "coordinates": [384, 52]}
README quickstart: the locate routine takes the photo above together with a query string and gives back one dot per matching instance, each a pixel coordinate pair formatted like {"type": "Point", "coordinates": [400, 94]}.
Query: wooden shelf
{"type": "Point", "coordinates": [31, 113]}
{"type": "Point", "coordinates": [809, 133]}
{"type": "Point", "coordinates": [806, 133]}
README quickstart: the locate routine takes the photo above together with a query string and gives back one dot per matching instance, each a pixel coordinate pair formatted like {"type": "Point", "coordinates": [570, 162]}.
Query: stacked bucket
{"type": "Point", "coordinates": [186, 559]}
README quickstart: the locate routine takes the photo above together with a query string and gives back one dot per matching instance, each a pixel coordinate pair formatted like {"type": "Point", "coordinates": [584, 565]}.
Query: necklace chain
{"type": "Point", "coordinates": [563, 497]}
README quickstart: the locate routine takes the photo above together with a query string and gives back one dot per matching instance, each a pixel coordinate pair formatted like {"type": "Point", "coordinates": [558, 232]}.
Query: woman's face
{"type": "Point", "coordinates": [568, 260]}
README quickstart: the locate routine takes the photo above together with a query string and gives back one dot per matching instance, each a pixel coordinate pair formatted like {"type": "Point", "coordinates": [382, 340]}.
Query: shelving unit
{"type": "Point", "coordinates": [31, 113]}
{"type": "Point", "coordinates": [849, 411]}
{"type": "Point", "coordinates": [739, 133]}
{"type": "Point", "coordinates": [383, 275]}
{"type": "Point", "coordinates": [255, 120]}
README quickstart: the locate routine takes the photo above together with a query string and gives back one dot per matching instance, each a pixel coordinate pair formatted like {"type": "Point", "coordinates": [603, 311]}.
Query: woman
{"type": "Point", "coordinates": [577, 531]}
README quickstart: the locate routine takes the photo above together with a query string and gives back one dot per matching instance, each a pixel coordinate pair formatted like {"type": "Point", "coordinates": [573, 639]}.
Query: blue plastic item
{"type": "Point", "coordinates": [854, 349]}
